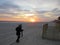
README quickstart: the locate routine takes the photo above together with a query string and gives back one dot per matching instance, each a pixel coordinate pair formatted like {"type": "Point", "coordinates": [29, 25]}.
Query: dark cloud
{"type": "Point", "coordinates": [6, 6]}
{"type": "Point", "coordinates": [56, 12]}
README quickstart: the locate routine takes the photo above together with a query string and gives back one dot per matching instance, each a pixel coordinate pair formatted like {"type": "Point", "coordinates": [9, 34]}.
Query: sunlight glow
{"type": "Point", "coordinates": [27, 17]}
{"type": "Point", "coordinates": [29, 14]}
{"type": "Point", "coordinates": [32, 20]}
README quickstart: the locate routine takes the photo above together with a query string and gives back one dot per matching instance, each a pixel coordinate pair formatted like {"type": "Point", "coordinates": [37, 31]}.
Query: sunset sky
{"type": "Point", "coordinates": [29, 10]}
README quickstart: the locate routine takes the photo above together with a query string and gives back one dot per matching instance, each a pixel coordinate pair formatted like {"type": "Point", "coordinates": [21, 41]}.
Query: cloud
{"type": "Point", "coordinates": [37, 4]}
{"type": "Point", "coordinates": [12, 8]}
{"type": "Point", "coordinates": [8, 9]}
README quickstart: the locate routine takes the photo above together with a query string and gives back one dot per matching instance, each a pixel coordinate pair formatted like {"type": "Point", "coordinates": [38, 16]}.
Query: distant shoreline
{"type": "Point", "coordinates": [20, 22]}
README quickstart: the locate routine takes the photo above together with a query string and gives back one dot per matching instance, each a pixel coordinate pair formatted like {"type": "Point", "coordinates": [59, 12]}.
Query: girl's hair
{"type": "Point", "coordinates": [20, 25]}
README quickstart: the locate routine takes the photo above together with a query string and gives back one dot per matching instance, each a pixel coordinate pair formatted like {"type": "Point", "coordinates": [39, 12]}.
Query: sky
{"type": "Point", "coordinates": [29, 10]}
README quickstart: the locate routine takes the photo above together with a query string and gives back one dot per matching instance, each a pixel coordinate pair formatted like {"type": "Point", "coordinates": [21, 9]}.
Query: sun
{"type": "Point", "coordinates": [32, 20]}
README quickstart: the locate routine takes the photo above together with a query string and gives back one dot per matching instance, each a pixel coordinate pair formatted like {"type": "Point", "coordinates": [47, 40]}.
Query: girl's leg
{"type": "Point", "coordinates": [18, 37]}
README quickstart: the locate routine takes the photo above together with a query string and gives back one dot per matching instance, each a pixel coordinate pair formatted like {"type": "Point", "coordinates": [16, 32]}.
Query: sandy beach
{"type": "Point", "coordinates": [32, 34]}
